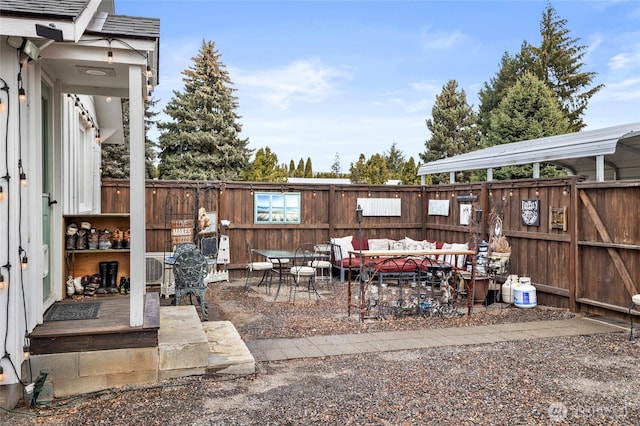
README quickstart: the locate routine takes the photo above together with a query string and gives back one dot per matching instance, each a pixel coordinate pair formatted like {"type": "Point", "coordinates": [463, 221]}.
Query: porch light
{"type": "Point", "coordinates": [2, 375]}
{"type": "Point", "coordinates": [24, 262]}
{"type": "Point", "coordinates": [23, 178]}
{"type": "Point", "coordinates": [110, 56]}
{"type": "Point", "coordinates": [1, 193]}
{"type": "Point", "coordinates": [22, 95]}
{"type": "Point", "coordinates": [26, 351]}
{"type": "Point", "coordinates": [2, 282]}
{"type": "Point", "coordinates": [149, 86]}
{"type": "Point", "coordinates": [1, 106]}
{"type": "Point", "coordinates": [148, 72]}
{"type": "Point", "coordinates": [537, 191]}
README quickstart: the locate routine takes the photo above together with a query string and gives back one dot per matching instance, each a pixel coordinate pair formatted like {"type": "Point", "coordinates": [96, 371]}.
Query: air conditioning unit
{"type": "Point", "coordinates": [159, 273]}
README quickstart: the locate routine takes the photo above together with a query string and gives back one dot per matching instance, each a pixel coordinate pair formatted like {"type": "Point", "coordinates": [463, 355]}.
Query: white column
{"type": "Point", "coordinates": [536, 170]}
{"type": "Point", "coordinates": [137, 200]}
{"type": "Point", "coordinates": [600, 168]}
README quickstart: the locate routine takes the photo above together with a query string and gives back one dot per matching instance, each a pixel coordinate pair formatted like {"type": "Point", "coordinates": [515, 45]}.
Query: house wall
{"type": "Point", "coordinates": [21, 212]}
{"type": "Point", "coordinates": [18, 134]}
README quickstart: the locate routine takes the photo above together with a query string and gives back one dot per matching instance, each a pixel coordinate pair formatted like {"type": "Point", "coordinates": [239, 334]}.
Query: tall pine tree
{"type": "Point", "coordinates": [201, 141]}
{"type": "Point", "coordinates": [558, 63]}
{"type": "Point", "coordinates": [453, 127]}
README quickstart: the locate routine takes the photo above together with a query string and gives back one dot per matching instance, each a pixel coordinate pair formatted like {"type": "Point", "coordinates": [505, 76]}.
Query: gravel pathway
{"type": "Point", "coordinates": [586, 380]}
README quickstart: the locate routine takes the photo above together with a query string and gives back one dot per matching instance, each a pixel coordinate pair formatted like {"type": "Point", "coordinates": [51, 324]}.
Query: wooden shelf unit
{"type": "Point", "coordinates": [85, 262]}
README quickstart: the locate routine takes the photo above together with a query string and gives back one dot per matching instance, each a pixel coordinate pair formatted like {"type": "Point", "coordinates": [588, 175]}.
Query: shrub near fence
{"type": "Point", "coordinates": [592, 263]}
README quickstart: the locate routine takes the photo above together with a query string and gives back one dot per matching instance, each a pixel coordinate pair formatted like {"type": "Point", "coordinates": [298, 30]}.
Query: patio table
{"type": "Point", "coordinates": [278, 255]}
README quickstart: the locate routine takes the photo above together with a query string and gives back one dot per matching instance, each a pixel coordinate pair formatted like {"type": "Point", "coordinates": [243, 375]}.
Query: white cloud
{"type": "Point", "coordinates": [441, 40]}
{"type": "Point", "coordinates": [625, 60]}
{"type": "Point", "coordinates": [300, 81]}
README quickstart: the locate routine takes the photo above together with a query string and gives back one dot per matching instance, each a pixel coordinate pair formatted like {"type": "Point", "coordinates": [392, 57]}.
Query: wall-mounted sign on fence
{"type": "Point", "coordinates": [181, 231]}
{"type": "Point", "coordinates": [380, 206]}
{"type": "Point", "coordinates": [557, 218]}
{"type": "Point", "coordinates": [438, 207]}
{"type": "Point", "coordinates": [277, 207]}
{"type": "Point", "coordinates": [530, 212]}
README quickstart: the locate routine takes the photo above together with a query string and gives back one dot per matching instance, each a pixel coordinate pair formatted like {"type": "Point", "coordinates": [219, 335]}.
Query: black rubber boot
{"type": "Point", "coordinates": [112, 277]}
{"type": "Point", "coordinates": [104, 277]}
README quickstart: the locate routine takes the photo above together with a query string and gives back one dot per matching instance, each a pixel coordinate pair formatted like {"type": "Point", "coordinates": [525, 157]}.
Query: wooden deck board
{"type": "Point", "coordinates": [110, 331]}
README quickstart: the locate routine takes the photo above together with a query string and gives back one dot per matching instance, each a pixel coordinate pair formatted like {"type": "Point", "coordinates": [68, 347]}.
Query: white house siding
{"type": "Point", "coordinates": [19, 140]}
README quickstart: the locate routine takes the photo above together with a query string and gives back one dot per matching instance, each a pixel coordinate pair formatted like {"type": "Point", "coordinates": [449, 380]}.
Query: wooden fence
{"type": "Point", "coordinates": [582, 253]}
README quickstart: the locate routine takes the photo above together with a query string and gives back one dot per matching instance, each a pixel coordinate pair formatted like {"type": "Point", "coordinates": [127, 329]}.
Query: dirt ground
{"type": "Point", "coordinates": [566, 380]}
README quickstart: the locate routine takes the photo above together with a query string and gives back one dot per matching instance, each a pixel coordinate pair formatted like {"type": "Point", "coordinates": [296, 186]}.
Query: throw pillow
{"type": "Point", "coordinates": [378, 244]}
{"type": "Point", "coordinates": [345, 246]}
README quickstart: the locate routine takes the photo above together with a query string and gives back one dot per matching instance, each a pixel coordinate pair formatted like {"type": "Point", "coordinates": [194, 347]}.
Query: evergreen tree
{"type": "Point", "coordinates": [529, 110]}
{"type": "Point", "coordinates": [559, 64]}
{"type": "Point", "coordinates": [556, 62]}
{"type": "Point", "coordinates": [115, 157]}
{"type": "Point", "coordinates": [265, 168]}
{"type": "Point", "coordinates": [202, 139]}
{"type": "Point", "coordinates": [359, 170]}
{"type": "Point", "coordinates": [377, 171]}
{"type": "Point", "coordinates": [308, 169]}
{"type": "Point", "coordinates": [300, 169]}
{"type": "Point", "coordinates": [336, 168]}
{"type": "Point", "coordinates": [409, 172]}
{"type": "Point", "coordinates": [453, 129]}
{"type": "Point", "coordinates": [292, 168]}
{"type": "Point", "coordinates": [395, 160]}
{"type": "Point", "coordinates": [511, 67]}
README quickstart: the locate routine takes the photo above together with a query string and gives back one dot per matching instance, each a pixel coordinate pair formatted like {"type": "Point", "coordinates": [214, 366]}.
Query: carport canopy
{"type": "Point", "coordinates": [611, 153]}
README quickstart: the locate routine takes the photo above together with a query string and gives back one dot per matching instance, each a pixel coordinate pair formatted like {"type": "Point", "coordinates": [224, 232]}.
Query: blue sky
{"type": "Point", "coordinates": [316, 78]}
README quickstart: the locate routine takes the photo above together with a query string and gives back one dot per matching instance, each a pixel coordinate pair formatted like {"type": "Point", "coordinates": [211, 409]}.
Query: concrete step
{"type": "Point", "coordinates": [183, 348]}
{"type": "Point", "coordinates": [188, 346]}
{"type": "Point", "coordinates": [228, 354]}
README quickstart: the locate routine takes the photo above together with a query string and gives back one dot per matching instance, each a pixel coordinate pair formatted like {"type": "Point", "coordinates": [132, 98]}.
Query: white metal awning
{"type": "Point", "coordinates": [618, 147]}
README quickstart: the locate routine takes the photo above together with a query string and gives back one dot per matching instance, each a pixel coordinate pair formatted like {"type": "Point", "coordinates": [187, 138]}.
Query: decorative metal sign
{"type": "Point", "coordinates": [530, 212]}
